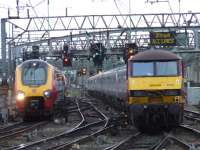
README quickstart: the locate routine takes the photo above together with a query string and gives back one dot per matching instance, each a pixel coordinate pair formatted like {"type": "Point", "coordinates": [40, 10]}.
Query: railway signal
{"type": "Point", "coordinates": [130, 50]}
{"type": "Point", "coordinates": [66, 56]}
{"type": "Point", "coordinates": [97, 52]}
{"type": "Point", "coordinates": [67, 61]}
{"type": "Point", "coordinates": [65, 49]}
{"type": "Point", "coordinates": [35, 54]}
{"type": "Point", "coordinates": [83, 71]}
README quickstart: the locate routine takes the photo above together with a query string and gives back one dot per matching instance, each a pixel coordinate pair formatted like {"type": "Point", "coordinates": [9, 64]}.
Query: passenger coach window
{"type": "Point", "coordinates": [143, 69]}
{"type": "Point", "coordinates": [166, 68]}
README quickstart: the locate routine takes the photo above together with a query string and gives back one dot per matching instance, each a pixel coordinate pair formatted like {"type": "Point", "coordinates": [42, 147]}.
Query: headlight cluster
{"type": "Point", "coordinates": [47, 94]}
{"type": "Point", "coordinates": [20, 96]}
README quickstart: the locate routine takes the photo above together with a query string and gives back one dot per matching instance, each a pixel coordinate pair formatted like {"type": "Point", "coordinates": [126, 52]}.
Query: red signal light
{"type": "Point", "coordinates": [66, 61]}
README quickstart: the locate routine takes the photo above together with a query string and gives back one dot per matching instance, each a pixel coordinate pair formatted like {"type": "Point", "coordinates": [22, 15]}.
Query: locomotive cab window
{"type": "Point", "coordinates": [34, 75]}
{"type": "Point", "coordinates": [143, 69]}
{"type": "Point", "coordinates": [166, 68]}
{"type": "Point", "coordinates": [156, 68]}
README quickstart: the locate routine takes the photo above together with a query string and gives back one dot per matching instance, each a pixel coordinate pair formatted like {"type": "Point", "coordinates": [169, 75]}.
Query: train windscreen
{"type": "Point", "coordinates": [34, 75]}
{"type": "Point", "coordinates": [169, 68]}
{"type": "Point", "coordinates": [156, 68]}
{"type": "Point", "coordinates": [143, 69]}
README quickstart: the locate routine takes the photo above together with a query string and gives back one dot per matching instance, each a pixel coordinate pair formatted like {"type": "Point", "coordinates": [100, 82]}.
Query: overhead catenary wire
{"type": "Point", "coordinates": [123, 16]}
{"type": "Point", "coordinates": [117, 7]}
{"type": "Point", "coordinates": [169, 4]}
{"type": "Point", "coordinates": [39, 3]}
{"type": "Point", "coordinates": [170, 7]}
{"type": "Point", "coordinates": [33, 8]}
{"type": "Point", "coordinates": [5, 7]}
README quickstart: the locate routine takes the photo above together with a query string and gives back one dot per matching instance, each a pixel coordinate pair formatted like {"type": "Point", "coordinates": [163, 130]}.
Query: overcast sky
{"type": "Point", "coordinates": [84, 7]}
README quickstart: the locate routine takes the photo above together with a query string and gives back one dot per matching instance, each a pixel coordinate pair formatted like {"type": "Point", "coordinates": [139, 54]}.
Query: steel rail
{"type": "Point", "coordinates": [76, 129]}
{"type": "Point", "coordinates": [80, 140]}
{"type": "Point", "coordinates": [166, 140]}
{"type": "Point", "coordinates": [121, 143]}
{"type": "Point", "coordinates": [186, 127]}
{"type": "Point", "coordinates": [22, 130]}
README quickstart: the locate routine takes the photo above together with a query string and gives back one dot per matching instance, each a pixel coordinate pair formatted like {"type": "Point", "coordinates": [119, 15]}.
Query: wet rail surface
{"type": "Point", "coordinates": [185, 136]}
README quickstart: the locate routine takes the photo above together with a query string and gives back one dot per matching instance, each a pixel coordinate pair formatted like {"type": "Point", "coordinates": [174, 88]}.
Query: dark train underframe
{"type": "Point", "coordinates": [153, 117]}
{"type": "Point", "coordinates": [148, 118]}
{"type": "Point", "coordinates": [35, 110]}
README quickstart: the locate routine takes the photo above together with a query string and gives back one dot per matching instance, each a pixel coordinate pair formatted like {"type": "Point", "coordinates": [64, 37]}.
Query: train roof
{"type": "Point", "coordinates": [108, 72]}
{"type": "Point", "coordinates": [32, 60]}
{"type": "Point", "coordinates": [155, 55]}
{"type": "Point", "coordinates": [39, 60]}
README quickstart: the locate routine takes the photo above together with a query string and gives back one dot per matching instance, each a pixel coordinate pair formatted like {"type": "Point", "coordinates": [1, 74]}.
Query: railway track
{"type": "Point", "coordinates": [192, 120]}
{"type": "Point", "coordinates": [93, 122]}
{"type": "Point", "coordinates": [2, 129]}
{"type": "Point", "coordinates": [172, 140]}
{"type": "Point", "coordinates": [123, 142]}
{"type": "Point", "coordinates": [192, 115]}
{"type": "Point", "coordinates": [45, 130]}
{"type": "Point", "coordinates": [183, 137]}
{"type": "Point", "coordinates": [186, 136]}
{"type": "Point", "coordinates": [138, 141]}
{"type": "Point", "coordinates": [17, 129]}
{"type": "Point", "coordinates": [167, 142]}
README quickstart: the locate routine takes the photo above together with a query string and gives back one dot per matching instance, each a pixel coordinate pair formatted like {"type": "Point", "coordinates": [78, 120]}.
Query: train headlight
{"type": "Point", "coordinates": [20, 96]}
{"type": "Point", "coordinates": [47, 93]}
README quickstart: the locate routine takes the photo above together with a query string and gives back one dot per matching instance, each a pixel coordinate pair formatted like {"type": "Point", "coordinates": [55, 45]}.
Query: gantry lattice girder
{"type": "Point", "coordinates": [111, 39]}
{"type": "Point", "coordinates": [91, 22]}
{"type": "Point", "coordinates": [25, 30]}
{"type": "Point", "coordinates": [111, 30]}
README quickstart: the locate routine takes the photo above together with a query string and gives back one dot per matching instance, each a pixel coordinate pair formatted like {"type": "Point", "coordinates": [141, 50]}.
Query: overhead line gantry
{"type": "Point", "coordinates": [111, 30]}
